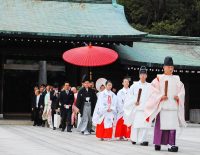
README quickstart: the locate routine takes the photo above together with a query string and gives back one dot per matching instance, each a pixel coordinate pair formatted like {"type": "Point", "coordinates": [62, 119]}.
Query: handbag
{"type": "Point", "coordinates": [57, 120]}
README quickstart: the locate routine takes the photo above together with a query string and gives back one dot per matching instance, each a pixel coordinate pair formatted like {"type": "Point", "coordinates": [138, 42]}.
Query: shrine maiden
{"type": "Point", "coordinates": [122, 131]}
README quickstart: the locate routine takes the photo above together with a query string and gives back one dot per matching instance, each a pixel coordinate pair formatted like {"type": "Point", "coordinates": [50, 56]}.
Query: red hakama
{"type": "Point", "coordinates": [122, 130]}
{"type": "Point", "coordinates": [102, 132]}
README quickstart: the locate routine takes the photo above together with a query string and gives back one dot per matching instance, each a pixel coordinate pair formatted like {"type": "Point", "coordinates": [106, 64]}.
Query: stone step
{"type": "Point", "coordinates": [15, 122]}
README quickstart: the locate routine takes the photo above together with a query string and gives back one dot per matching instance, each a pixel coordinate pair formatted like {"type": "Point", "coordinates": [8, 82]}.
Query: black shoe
{"type": "Point", "coordinates": [144, 143]}
{"type": "Point", "coordinates": [92, 130]}
{"type": "Point", "coordinates": [69, 130]}
{"type": "Point", "coordinates": [34, 124]}
{"type": "Point", "coordinates": [173, 149]}
{"type": "Point", "coordinates": [157, 147]}
{"type": "Point", "coordinates": [54, 128]}
{"type": "Point", "coordinates": [63, 130]}
{"type": "Point", "coordinates": [133, 143]}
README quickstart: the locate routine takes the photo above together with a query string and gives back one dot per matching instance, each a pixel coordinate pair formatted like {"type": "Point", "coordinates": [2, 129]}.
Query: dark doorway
{"type": "Point", "coordinates": [18, 89]}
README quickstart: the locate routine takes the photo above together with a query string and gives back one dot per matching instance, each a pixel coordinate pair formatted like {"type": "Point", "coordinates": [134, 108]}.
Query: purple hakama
{"type": "Point", "coordinates": [163, 137]}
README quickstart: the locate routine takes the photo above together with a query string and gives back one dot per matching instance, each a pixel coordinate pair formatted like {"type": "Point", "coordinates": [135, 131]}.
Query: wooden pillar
{"type": "Point", "coordinates": [1, 84]}
{"type": "Point", "coordinates": [42, 72]}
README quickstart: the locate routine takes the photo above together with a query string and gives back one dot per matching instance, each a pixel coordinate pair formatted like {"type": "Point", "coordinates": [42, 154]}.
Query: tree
{"type": "Point", "coordinates": [171, 17]}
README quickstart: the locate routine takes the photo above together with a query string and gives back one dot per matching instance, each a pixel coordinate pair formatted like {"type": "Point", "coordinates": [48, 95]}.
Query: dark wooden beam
{"type": "Point", "coordinates": [33, 67]}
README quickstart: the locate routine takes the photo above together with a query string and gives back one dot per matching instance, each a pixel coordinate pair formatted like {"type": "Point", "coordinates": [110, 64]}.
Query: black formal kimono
{"type": "Point", "coordinates": [66, 98]}
{"type": "Point", "coordinates": [86, 101]}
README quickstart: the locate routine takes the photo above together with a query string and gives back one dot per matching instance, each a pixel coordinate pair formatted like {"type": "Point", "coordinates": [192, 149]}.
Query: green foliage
{"type": "Point", "coordinates": [171, 17]}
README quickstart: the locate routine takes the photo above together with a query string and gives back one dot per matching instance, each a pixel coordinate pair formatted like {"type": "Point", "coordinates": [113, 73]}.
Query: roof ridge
{"type": "Point", "coordinates": [85, 1]}
{"type": "Point", "coordinates": [172, 39]}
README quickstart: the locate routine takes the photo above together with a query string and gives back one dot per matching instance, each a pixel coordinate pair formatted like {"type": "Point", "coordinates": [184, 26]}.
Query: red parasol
{"type": "Point", "coordinates": [90, 56]}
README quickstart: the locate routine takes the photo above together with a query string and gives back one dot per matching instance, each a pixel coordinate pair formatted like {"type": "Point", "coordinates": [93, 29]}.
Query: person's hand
{"type": "Point", "coordinates": [41, 106]}
{"type": "Point", "coordinates": [109, 110]}
{"type": "Point", "coordinates": [32, 109]}
{"type": "Point", "coordinates": [137, 103]}
{"type": "Point", "coordinates": [164, 98]}
{"type": "Point", "coordinates": [65, 105]}
{"type": "Point", "coordinates": [176, 98]}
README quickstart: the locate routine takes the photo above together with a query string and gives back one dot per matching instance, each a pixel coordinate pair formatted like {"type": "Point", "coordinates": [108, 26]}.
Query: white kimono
{"type": "Point", "coordinates": [100, 112]}
{"type": "Point", "coordinates": [47, 109]}
{"type": "Point", "coordinates": [122, 95]}
{"type": "Point", "coordinates": [134, 114]}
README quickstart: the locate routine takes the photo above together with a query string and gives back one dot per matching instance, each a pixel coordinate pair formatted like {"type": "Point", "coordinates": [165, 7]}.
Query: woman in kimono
{"type": "Point", "coordinates": [122, 131]}
{"type": "Point", "coordinates": [105, 113]}
{"type": "Point", "coordinates": [75, 110]}
{"type": "Point", "coordinates": [47, 108]}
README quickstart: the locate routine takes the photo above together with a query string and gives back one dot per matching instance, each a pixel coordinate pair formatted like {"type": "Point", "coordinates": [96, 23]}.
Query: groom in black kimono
{"type": "Point", "coordinates": [86, 101]}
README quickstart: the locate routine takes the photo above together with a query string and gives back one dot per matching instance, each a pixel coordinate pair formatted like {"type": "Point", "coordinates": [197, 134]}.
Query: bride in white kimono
{"type": "Point", "coordinates": [104, 116]}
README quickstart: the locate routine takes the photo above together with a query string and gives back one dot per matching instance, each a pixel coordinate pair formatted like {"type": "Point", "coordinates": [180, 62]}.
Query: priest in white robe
{"type": "Point", "coordinates": [134, 109]}
{"type": "Point", "coordinates": [166, 105]}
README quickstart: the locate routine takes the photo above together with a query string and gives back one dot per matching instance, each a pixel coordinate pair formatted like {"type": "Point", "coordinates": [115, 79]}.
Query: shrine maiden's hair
{"type": "Point", "coordinates": [125, 78]}
{"type": "Point", "coordinates": [108, 81]}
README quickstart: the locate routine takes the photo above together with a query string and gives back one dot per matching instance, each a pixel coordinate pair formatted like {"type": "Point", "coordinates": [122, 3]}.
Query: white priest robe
{"type": "Point", "coordinates": [171, 111]}
{"type": "Point", "coordinates": [134, 114]}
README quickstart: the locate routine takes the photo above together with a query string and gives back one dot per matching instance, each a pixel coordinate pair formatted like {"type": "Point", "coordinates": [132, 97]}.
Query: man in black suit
{"type": "Point", "coordinates": [37, 104]}
{"type": "Point", "coordinates": [66, 100]}
{"type": "Point", "coordinates": [86, 101]}
{"type": "Point", "coordinates": [43, 92]}
{"type": "Point", "coordinates": [54, 97]}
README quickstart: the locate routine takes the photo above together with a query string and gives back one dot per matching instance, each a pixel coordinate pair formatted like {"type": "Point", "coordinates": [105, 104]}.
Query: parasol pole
{"type": "Point", "coordinates": [90, 72]}
{"type": "Point", "coordinates": [90, 69]}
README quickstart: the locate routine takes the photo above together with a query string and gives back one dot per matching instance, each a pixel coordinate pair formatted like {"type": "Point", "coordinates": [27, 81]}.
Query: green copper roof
{"type": "Point", "coordinates": [65, 19]}
{"type": "Point", "coordinates": [84, 1]}
{"type": "Point", "coordinates": [153, 54]}
{"type": "Point", "coordinates": [172, 39]}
